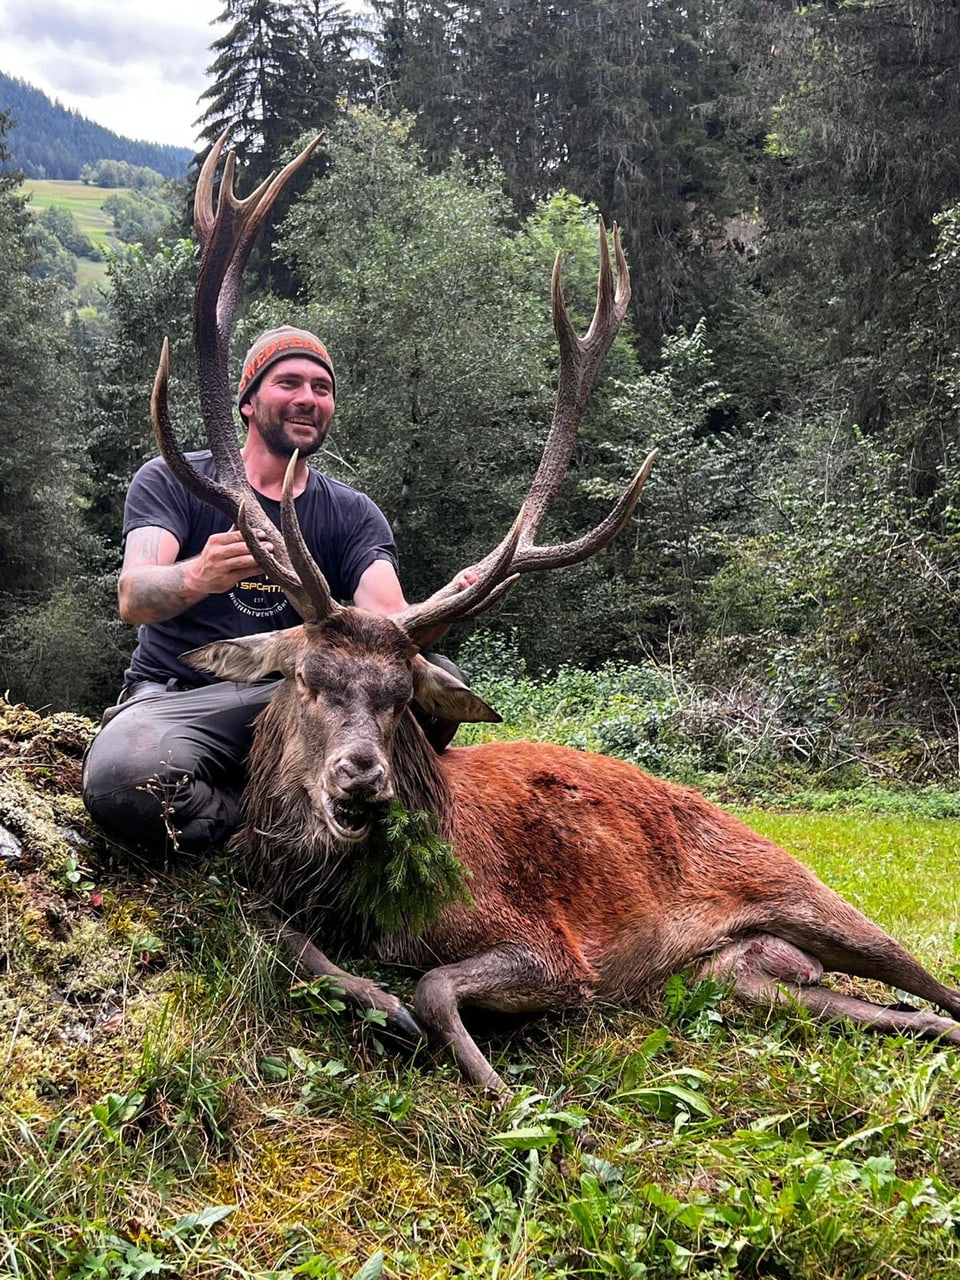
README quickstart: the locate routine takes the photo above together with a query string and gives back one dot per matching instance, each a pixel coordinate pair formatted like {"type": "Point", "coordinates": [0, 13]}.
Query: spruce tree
{"type": "Point", "coordinates": [277, 73]}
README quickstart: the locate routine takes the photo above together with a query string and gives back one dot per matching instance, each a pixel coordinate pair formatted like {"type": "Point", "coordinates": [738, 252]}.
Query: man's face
{"type": "Point", "coordinates": [292, 407]}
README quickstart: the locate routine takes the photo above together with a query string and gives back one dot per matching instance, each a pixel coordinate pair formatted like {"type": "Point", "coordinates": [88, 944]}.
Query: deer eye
{"type": "Point", "coordinates": [304, 687]}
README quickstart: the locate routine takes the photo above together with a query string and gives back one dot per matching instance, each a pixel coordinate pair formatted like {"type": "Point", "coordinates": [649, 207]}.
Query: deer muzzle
{"type": "Point", "coordinates": [356, 784]}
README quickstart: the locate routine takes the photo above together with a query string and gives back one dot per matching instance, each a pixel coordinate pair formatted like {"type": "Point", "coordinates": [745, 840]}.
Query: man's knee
{"type": "Point", "coordinates": [145, 799]}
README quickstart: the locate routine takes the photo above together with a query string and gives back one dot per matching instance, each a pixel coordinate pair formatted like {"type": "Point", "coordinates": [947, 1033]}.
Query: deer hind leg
{"type": "Point", "coordinates": [363, 992]}
{"type": "Point", "coordinates": [767, 970]}
{"type": "Point", "coordinates": [844, 940]}
{"type": "Point", "coordinates": [507, 979]}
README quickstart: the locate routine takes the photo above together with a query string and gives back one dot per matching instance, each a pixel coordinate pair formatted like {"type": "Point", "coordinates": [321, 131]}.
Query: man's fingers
{"type": "Point", "coordinates": [237, 543]}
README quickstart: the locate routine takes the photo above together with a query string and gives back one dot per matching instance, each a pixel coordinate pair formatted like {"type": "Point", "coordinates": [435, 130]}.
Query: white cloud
{"type": "Point", "coordinates": [138, 69]}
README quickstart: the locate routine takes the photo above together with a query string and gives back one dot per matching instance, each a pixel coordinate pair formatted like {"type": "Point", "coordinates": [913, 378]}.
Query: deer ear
{"type": "Point", "coordinates": [249, 657]}
{"type": "Point", "coordinates": [443, 695]}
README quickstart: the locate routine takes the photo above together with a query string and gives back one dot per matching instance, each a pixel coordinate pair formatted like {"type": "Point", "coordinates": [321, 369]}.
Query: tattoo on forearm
{"type": "Point", "coordinates": [162, 593]}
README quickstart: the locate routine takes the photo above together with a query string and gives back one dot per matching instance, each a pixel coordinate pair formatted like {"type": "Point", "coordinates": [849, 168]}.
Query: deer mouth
{"type": "Point", "coordinates": [349, 819]}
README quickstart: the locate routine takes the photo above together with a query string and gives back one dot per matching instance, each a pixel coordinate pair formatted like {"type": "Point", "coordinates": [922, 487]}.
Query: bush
{"type": "Point", "coordinates": [68, 653]}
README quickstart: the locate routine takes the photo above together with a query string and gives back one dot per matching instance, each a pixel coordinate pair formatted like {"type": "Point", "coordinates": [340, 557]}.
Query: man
{"type": "Point", "coordinates": [167, 768]}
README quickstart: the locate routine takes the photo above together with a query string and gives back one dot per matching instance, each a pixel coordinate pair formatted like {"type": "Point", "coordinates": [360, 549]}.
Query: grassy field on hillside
{"type": "Point", "coordinates": [83, 201]}
{"type": "Point", "coordinates": [171, 1102]}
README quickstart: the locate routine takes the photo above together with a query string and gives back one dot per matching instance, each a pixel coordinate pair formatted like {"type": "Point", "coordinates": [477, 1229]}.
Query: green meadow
{"type": "Point", "coordinates": [85, 203]}
{"type": "Point", "coordinates": [173, 1101]}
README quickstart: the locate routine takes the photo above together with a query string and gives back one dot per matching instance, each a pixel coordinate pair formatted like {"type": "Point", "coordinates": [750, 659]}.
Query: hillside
{"type": "Point", "coordinates": [49, 141]}
{"type": "Point", "coordinates": [175, 1102]}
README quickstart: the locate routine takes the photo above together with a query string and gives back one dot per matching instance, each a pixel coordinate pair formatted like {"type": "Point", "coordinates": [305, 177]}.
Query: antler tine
{"type": "Point", "coordinates": [580, 361]}
{"type": "Point", "coordinates": [271, 565]}
{"type": "Point", "coordinates": [203, 204]}
{"type": "Point", "coordinates": [235, 225]}
{"type": "Point", "coordinates": [318, 598]}
{"type": "Point", "coordinates": [556, 557]}
{"type": "Point", "coordinates": [227, 229]}
{"type": "Point", "coordinates": [448, 605]}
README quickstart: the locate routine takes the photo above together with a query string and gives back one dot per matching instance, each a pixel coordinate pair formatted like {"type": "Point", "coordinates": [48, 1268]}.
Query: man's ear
{"type": "Point", "coordinates": [443, 695]}
{"type": "Point", "coordinates": [249, 657]}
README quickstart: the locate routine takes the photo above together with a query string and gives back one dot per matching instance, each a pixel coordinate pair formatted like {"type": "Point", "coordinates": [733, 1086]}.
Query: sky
{"type": "Point", "coordinates": [135, 66]}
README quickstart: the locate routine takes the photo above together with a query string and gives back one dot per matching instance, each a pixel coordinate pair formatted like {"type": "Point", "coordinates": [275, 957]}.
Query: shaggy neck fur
{"type": "Point", "coordinates": [285, 848]}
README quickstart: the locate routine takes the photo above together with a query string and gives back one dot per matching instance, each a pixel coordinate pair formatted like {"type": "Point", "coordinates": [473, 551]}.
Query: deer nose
{"type": "Point", "coordinates": [359, 772]}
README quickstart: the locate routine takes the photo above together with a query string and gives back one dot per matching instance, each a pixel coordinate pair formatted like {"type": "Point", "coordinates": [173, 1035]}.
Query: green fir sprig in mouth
{"type": "Point", "coordinates": [407, 874]}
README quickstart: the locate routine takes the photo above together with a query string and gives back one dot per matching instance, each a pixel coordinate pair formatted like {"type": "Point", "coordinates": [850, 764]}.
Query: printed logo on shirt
{"type": "Point", "coordinates": [257, 598]}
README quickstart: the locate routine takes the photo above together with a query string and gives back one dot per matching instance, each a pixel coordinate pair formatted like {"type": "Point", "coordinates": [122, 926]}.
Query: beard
{"type": "Point", "coordinates": [278, 435]}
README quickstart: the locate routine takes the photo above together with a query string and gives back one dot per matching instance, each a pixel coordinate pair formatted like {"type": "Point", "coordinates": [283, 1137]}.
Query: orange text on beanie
{"type": "Point", "coordinates": [279, 344]}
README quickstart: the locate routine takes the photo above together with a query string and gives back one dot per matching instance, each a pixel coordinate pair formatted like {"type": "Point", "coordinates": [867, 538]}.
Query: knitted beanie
{"type": "Point", "coordinates": [279, 344]}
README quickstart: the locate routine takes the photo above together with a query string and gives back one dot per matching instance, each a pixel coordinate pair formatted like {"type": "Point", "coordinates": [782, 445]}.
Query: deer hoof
{"type": "Point", "coordinates": [402, 1025]}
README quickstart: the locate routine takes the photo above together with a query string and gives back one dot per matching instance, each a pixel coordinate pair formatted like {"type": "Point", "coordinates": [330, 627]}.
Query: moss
{"type": "Point", "coordinates": [342, 1189]}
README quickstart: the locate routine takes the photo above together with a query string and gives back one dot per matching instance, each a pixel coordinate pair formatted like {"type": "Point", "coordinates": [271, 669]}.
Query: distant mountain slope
{"type": "Point", "coordinates": [48, 141]}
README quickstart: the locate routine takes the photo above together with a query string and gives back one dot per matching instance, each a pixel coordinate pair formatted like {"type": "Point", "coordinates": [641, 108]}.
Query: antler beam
{"type": "Point", "coordinates": [227, 229]}
{"type": "Point", "coordinates": [580, 362]}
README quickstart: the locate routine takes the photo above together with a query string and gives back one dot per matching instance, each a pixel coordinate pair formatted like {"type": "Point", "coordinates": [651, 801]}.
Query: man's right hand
{"type": "Point", "coordinates": [154, 585]}
{"type": "Point", "coordinates": [223, 562]}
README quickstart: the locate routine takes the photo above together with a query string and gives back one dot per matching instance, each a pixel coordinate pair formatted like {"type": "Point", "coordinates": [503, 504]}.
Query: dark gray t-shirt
{"type": "Point", "coordinates": [344, 529]}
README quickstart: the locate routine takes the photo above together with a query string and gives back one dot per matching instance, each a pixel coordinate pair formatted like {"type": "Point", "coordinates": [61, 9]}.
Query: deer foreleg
{"type": "Point", "coordinates": [363, 992]}
{"type": "Point", "coordinates": [507, 979]}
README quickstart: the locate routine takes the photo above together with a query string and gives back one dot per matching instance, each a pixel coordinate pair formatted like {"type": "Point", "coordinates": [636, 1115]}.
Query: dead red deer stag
{"type": "Point", "coordinates": [589, 879]}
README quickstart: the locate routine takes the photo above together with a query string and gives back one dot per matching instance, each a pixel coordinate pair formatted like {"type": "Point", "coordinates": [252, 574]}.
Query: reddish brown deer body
{"type": "Point", "coordinates": [589, 879]}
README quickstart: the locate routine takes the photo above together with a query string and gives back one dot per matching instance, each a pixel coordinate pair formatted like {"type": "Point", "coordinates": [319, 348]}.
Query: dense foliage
{"type": "Point", "coordinates": [786, 184]}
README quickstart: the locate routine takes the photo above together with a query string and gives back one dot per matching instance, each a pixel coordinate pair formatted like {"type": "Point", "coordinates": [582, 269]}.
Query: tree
{"type": "Point", "coordinates": [150, 298]}
{"type": "Point", "coordinates": [42, 544]}
{"type": "Point", "coordinates": [601, 97]}
{"type": "Point", "coordinates": [140, 218]}
{"type": "Point", "coordinates": [277, 74]}
{"type": "Point", "coordinates": [63, 225]}
{"type": "Point", "coordinates": [38, 405]}
{"type": "Point", "coordinates": [854, 112]}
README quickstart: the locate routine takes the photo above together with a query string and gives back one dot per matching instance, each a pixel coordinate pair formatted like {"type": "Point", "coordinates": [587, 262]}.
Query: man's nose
{"type": "Point", "coordinates": [304, 395]}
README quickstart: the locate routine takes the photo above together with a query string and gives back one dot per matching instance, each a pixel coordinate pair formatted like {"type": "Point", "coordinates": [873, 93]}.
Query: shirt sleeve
{"type": "Point", "coordinates": [366, 536]}
{"type": "Point", "coordinates": [157, 499]}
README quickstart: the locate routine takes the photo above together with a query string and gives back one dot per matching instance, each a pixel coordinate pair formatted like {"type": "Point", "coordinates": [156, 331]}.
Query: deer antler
{"type": "Point", "coordinates": [580, 361]}
{"type": "Point", "coordinates": [227, 232]}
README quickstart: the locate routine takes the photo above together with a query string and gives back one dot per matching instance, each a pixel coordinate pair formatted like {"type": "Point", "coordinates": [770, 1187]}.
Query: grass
{"type": "Point", "coordinates": [85, 203]}
{"type": "Point", "coordinates": [170, 1105]}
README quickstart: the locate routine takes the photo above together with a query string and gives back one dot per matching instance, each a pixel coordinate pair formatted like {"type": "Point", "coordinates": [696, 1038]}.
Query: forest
{"type": "Point", "coordinates": [786, 183]}
{"type": "Point", "coordinates": [50, 141]}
